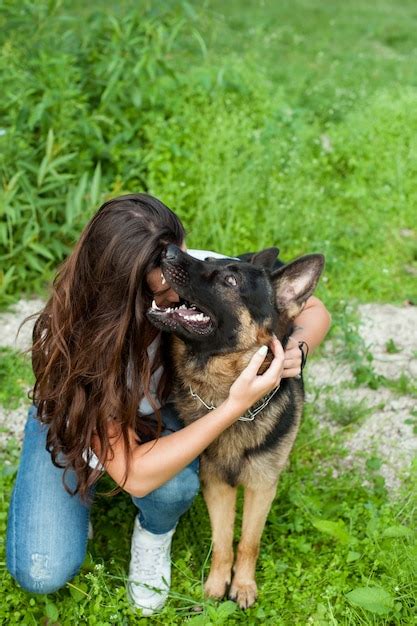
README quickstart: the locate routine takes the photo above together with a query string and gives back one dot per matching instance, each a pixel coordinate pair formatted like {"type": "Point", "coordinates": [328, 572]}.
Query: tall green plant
{"type": "Point", "coordinates": [72, 104]}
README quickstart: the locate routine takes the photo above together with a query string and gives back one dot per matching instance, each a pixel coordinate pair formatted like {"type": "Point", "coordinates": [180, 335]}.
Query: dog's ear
{"type": "Point", "coordinates": [265, 258]}
{"type": "Point", "coordinates": [295, 282]}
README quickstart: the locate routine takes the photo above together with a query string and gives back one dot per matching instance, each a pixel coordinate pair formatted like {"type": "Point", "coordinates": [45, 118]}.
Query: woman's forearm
{"type": "Point", "coordinates": [155, 462]}
{"type": "Point", "coordinates": [312, 324]}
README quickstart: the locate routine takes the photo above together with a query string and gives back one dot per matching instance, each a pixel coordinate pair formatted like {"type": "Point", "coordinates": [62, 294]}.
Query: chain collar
{"type": "Point", "coordinates": [251, 413]}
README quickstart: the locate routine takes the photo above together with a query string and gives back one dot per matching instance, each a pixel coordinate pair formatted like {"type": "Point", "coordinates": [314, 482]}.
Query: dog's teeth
{"type": "Point", "coordinates": [163, 279]}
{"type": "Point", "coordinates": [154, 305]}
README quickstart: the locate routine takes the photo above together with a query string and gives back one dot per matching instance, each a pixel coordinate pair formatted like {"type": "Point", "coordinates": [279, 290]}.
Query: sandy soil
{"type": "Point", "coordinates": [384, 433]}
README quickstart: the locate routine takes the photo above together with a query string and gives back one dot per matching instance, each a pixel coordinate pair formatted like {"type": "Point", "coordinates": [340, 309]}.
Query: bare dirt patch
{"type": "Point", "coordinates": [390, 333]}
{"type": "Point", "coordinates": [10, 322]}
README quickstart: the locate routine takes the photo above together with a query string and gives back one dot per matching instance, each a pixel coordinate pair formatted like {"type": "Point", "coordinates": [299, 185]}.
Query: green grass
{"type": "Point", "coordinates": [326, 536]}
{"type": "Point", "coordinates": [344, 413]}
{"type": "Point", "coordinates": [260, 123]}
{"type": "Point", "coordinates": [15, 377]}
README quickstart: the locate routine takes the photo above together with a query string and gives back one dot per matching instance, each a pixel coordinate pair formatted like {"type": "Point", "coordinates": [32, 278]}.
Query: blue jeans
{"type": "Point", "coordinates": [47, 528]}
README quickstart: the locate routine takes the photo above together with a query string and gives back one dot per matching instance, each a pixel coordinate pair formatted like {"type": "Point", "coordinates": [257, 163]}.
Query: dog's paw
{"type": "Point", "coordinates": [243, 593]}
{"type": "Point", "coordinates": [216, 585]}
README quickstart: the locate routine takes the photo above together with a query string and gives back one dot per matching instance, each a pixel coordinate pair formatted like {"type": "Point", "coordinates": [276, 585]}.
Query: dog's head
{"type": "Point", "coordinates": [228, 305]}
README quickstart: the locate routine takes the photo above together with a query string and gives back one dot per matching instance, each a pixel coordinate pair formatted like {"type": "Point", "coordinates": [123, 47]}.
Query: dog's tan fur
{"type": "Point", "coordinates": [258, 474]}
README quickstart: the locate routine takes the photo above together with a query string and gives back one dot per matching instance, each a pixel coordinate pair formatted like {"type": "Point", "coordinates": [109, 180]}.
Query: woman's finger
{"type": "Point", "coordinates": [274, 371]}
{"type": "Point", "coordinates": [292, 363]}
{"type": "Point", "coordinates": [291, 373]}
{"type": "Point", "coordinates": [256, 361]}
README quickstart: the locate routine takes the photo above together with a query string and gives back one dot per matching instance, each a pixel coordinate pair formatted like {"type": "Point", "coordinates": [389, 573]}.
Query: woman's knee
{"type": "Point", "coordinates": [181, 488]}
{"type": "Point", "coordinates": [43, 575]}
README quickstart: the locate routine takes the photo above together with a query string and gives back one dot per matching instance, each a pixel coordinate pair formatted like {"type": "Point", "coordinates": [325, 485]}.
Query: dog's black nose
{"type": "Point", "coordinates": [172, 252]}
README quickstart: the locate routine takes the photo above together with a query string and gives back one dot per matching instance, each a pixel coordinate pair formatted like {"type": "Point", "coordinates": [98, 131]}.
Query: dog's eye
{"type": "Point", "coordinates": [231, 280]}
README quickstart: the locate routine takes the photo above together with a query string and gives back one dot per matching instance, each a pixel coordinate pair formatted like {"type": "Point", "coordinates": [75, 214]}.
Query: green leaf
{"type": "Point", "coordinates": [34, 263]}
{"type": "Point", "coordinates": [95, 186]}
{"type": "Point", "coordinates": [391, 347]}
{"type": "Point", "coordinates": [41, 250]}
{"type": "Point", "coordinates": [372, 526]}
{"type": "Point", "coordinates": [353, 556]}
{"type": "Point", "coordinates": [75, 197]}
{"type": "Point", "coordinates": [374, 463]}
{"type": "Point", "coordinates": [226, 608]}
{"type": "Point", "coordinates": [37, 113]}
{"type": "Point", "coordinates": [334, 529]}
{"type": "Point", "coordinates": [42, 170]}
{"type": "Point", "coordinates": [78, 592]}
{"type": "Point", "coordinates": [49, 144]}
{"type": "Point", "coordinates": [397, 531]}
{"type": "Point", "coordinates": [51, 611]}
{"type": "Point", "coordinates": [373, 599]}
{"type": "Point", "coordinates": [6, 278]}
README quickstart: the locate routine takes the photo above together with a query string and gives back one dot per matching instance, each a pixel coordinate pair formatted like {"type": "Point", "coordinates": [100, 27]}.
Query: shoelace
{"type": "Point", "coordinates": [152, 571]}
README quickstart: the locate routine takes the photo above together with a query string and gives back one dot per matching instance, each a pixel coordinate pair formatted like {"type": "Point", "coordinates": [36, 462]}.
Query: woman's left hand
{"type": "Point", "coordinates": [292, 359]}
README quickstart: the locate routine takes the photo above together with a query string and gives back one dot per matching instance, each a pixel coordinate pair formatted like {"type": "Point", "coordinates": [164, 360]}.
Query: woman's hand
{"type": "Point", "coordinates": [292, 359]}
{"type": "Point", "coordinates": [250, 387]}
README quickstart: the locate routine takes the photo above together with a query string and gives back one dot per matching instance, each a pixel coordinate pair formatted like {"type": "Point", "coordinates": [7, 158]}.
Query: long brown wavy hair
{"type": "Point", "coordinates": [90, 342]}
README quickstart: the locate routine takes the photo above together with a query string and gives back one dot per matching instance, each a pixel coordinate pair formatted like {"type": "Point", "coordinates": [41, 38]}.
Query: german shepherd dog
{"type": "Point", "coordinates": [228, 309]}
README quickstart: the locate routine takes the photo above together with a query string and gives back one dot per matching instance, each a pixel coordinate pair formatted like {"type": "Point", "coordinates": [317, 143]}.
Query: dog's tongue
{"type": "Point", "coordinates": [191, 314]}
{"type": "Point", "coordinates": [186, 312]}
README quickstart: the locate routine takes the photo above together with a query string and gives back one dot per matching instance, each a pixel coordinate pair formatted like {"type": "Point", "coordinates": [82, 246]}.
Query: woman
{"type": "Point", "coordinates": [100, 402]}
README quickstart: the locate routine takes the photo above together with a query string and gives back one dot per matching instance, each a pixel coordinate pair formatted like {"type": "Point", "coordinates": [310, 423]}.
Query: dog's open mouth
{"type": "Point", "coordinates": [183, 314]}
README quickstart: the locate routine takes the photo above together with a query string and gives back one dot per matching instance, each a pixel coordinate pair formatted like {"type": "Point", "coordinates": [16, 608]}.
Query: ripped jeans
{"type": "Point", "coordinates": [47, 528]}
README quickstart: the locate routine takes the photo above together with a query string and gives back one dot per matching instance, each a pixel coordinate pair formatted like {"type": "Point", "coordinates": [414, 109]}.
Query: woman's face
{"type": "Point", "coordinates": [162, 292]}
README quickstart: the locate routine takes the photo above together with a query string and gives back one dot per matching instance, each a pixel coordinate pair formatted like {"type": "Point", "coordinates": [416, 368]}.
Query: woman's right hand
{"type": "Point", "coordinates": [250, 387]}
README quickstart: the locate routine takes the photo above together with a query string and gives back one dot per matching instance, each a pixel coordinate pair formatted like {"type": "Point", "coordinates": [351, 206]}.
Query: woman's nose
{"type": "Point", "coordinates": [172, 296]}
{"type": "Point", "coordinates": [169, 297]}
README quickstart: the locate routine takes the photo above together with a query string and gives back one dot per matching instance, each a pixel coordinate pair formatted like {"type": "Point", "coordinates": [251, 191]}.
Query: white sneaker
{"type": "Point", "coordinates": [150, 569]}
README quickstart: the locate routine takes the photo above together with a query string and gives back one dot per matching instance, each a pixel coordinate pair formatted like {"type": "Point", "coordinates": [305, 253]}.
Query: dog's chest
{"type": "Point", "coordinates": [245, 450]}
{"type": "Point", "coordinates": [247, 447]}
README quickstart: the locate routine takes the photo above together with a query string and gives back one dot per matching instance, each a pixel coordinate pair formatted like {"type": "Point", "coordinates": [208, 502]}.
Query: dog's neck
{"type": "Point", "coordinates": [213, 375]}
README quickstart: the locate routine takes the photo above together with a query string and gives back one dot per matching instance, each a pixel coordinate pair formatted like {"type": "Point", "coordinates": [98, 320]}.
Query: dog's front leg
{"type": "Point", "coordinates": [255, 511]}
{"type": "Point", "coordinates": [221, 504]}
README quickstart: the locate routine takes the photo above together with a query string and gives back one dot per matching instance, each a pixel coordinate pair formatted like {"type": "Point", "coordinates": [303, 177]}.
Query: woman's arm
{"type": "Point", "coordinates": [311, 326]}
{"type": "Point", "coordinates": [155, 462]}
